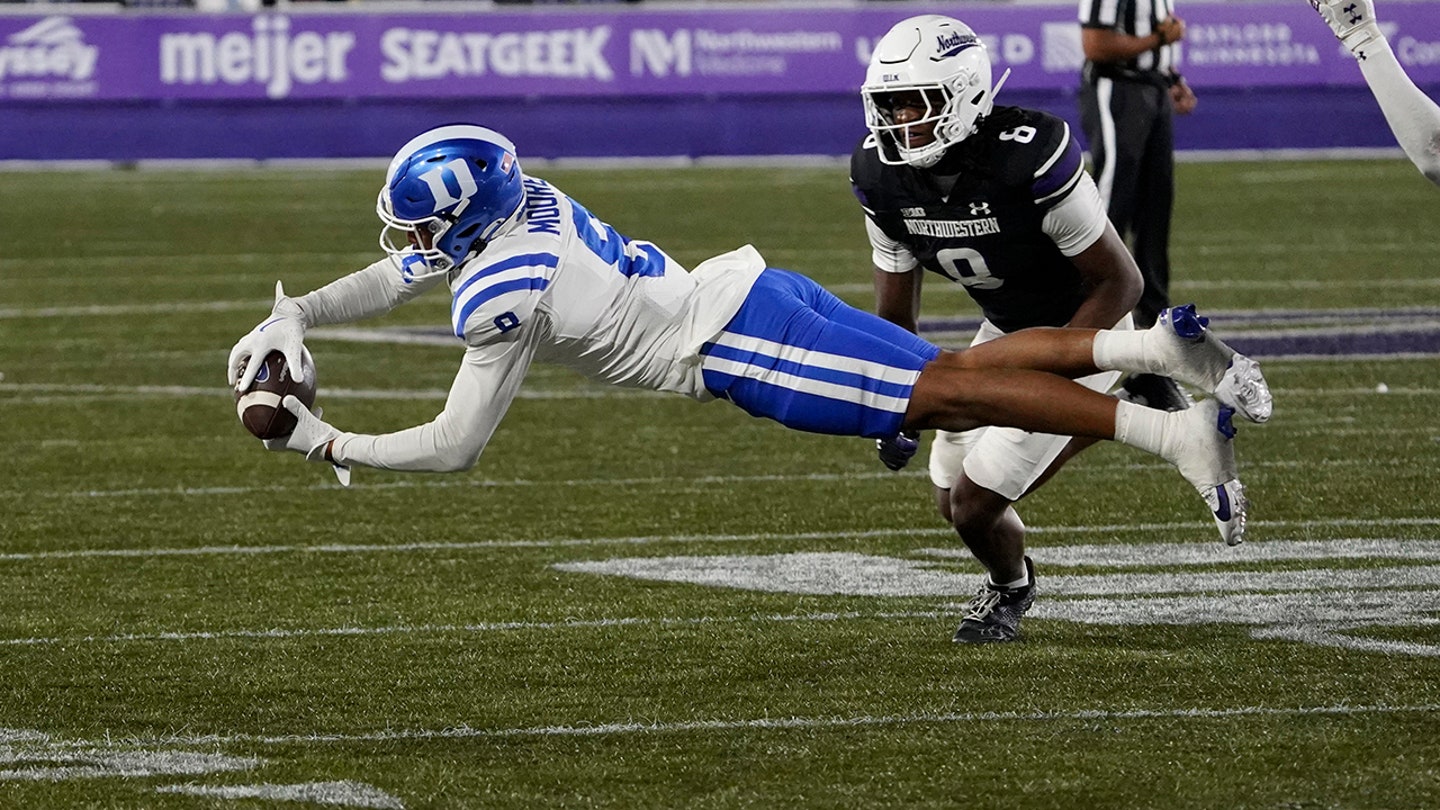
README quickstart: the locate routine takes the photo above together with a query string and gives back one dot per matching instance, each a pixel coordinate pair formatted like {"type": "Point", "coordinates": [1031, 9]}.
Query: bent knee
{"type": "Point", "coordinates": [973, 507]}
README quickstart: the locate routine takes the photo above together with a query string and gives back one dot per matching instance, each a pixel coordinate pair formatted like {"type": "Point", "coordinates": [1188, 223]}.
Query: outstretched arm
{"type": "Point", "coordinates": [366, 293]}
{"type": "Point", "coordinates": [488, 380]}
{"type": "Point", "coordinates": [1413, 116]}
{"type": "Point", "coordinates": [484, 387]}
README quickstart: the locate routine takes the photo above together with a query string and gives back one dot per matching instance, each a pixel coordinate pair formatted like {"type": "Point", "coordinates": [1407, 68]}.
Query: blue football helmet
{"type": "Point", "coordinates": [460, 184]}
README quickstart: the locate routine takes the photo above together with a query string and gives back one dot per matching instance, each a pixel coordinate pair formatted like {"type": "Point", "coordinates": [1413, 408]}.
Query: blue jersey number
{"type": "Point", "coordinates": [631, 258]}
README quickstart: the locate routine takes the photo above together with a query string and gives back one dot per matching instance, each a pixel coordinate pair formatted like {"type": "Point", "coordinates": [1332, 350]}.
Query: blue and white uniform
{"type": "Point", "coordinates": [558, 284]}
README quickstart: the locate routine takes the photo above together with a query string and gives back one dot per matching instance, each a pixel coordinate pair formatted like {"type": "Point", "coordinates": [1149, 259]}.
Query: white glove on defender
{"type": "Point", "coordinates": [311, 437]}
{"type": "Point", "coordinates": [283, 331]}
{"type": "Point", "coordinates": [1353, 22]}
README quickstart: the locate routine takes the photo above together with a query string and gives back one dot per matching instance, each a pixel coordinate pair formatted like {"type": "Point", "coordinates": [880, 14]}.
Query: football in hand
{"type": "Point", "coordinates": [259, 407]}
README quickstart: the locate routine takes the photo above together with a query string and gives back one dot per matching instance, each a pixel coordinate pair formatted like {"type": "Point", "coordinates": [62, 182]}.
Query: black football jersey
{"type": "Point", "coordinates": [986, 233]}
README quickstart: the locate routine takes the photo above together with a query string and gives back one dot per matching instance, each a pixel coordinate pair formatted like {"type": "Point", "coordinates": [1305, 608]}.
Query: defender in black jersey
{"type": "Point", "coordinates": [996, 199]}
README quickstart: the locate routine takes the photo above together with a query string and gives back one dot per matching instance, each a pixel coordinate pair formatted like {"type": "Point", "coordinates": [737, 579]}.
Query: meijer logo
{"type": "Point", "coordinates": [50, 49]}
{"type": "Point", "coordinates": [271, 56]}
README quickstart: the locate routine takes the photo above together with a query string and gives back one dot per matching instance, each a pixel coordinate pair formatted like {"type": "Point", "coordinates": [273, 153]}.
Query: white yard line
{"type": "Point", "coordinates": [481, 627]}
{"type": "Point", "coordinates": [341, 793]}
{"type": "Point", "coordinates": [688, 539]}
{"type": "Point", "coordinates": [184, 260]}
{"type": "Point", "coordinates": [368, 548]}
{"type": "Point", "coordinates": [668, 483]}
{"type": "Point", "coordinates": [603, 729]}
{"type": "Point", "coordinates": [256, 305]}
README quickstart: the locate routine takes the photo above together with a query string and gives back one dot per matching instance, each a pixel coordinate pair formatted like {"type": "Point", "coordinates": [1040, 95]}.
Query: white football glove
{"type": "Point", "coordinates": [283, 331]}
{"type": "Point", "coordinates": [1353, 23]}
{"type": "Point", "coordinates": [311, 437]}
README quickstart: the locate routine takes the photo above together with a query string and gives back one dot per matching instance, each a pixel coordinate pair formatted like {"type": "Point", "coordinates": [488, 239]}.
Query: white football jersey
{"type": "Point", "coordinates": [560, 285]}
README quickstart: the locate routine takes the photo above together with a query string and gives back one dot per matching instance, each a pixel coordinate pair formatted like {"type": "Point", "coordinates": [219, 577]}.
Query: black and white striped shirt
{"type": "Point", "coordinates": [1137, 18]}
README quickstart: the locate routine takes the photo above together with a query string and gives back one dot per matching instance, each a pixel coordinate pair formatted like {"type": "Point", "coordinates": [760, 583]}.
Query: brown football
{"type": "Point", "coordinates": [259, 407]}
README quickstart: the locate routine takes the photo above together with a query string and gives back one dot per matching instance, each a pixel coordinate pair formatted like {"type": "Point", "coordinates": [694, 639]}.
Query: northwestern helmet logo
{"type": "Point", "coordinates": [950, 44]}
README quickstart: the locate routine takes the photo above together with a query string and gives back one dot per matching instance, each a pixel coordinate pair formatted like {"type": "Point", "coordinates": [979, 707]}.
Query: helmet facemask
{"type": "Point", "coordinates": [447, 194]}
{"type": "Point", "coordinates": [402, 241]}
{"type": "Point", "coordinates": [943, 61]}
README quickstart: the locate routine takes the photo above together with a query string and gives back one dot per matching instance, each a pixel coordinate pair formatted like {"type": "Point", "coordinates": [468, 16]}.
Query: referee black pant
{"type": "Point", "coordinates": [1127, 123]}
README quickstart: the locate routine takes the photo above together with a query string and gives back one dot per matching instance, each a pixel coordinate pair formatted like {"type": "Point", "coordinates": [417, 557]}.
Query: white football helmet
{"type": "Point", "coordinates": [945, 61]}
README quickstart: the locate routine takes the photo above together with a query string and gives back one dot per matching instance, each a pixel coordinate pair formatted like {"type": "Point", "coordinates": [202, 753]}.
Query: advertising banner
{"type": "Point", "coordinates": [632, 52]}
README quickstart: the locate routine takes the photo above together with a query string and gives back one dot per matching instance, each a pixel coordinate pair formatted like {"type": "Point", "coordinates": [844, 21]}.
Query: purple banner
{"type": "Point", "coordinates": [630, 52]}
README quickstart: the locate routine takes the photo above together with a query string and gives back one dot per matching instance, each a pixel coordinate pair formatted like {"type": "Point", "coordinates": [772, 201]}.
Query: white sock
{"type": "Point", "coordinates": [1010, 586]}
{"type": "Point", "coordinates": [1124, 350]}
{"type": "Point", "coordinates": [1140, 427]}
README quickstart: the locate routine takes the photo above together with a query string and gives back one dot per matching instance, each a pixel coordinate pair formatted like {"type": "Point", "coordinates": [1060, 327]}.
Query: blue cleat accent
{"type": "Point", "coordinates": [1222, 510]}
{"type": "Point", "coordinates": [1229, 506]}
{"type": "Point", "coordinates": [1224, 423]}
{"type": "Point", "coordinates": [1187, 351]}
{"type": "Point", "coordinates": [1186, 323]}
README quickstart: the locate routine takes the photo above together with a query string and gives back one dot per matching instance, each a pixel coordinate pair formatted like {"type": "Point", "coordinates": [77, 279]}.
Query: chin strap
{"type": "Point", "coordinates": [413, 267]}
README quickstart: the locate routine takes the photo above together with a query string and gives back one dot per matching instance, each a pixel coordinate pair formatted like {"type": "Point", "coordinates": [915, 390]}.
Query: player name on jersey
{"type": "Point", "coordinates": [983, 226]}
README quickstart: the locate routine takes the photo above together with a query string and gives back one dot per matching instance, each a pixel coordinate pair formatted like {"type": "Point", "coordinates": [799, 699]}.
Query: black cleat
{"type": "Point", "coordinates": [1155, 391]}
{"type": "Point", "coordinates": [995, 612]}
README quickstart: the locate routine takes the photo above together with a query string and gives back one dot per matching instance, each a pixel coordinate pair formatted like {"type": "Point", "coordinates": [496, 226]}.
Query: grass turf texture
{"type": "Point", "coordinates": [167, 586]}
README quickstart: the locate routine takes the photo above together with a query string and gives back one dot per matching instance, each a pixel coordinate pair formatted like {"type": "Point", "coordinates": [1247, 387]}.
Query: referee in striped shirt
{"type": "Point", "coordinates": [1128, 91]}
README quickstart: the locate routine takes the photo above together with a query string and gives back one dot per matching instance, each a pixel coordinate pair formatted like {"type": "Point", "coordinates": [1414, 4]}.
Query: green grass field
{"type": "Point", "coordinates": [638, 601]}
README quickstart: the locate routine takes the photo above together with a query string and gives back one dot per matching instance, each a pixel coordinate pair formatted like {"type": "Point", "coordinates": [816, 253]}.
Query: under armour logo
{"type": "Point", "coordinates": [979, 209]}
{"type": "Point", "coordinates": [1352, 10]}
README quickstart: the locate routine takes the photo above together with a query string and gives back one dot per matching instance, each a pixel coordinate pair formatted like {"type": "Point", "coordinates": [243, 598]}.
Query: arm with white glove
{"type": "Point", "coordinates": [486, 384]}
{"type": "Point", "coordinates": [366, 293]}
{"type": "Point", "coordinates": [1413, 116]}
{"type": "Point", "coordinates": [312, 437]}
{"type": "Point", "coordinates": [283, 331]}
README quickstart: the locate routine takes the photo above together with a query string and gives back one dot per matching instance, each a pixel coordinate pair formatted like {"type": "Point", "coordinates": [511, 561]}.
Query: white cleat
{"type": "Point", "coordinates": [1194, 356]}
{"type": "Point", "coordinates": [1228, 505]}
{"type": "Point", "coordinates": [1353, 22]}
{"type": "Point", "coordinates": [1244, 388]}
{"type": "Point", "coordinates": [1200, 445]}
